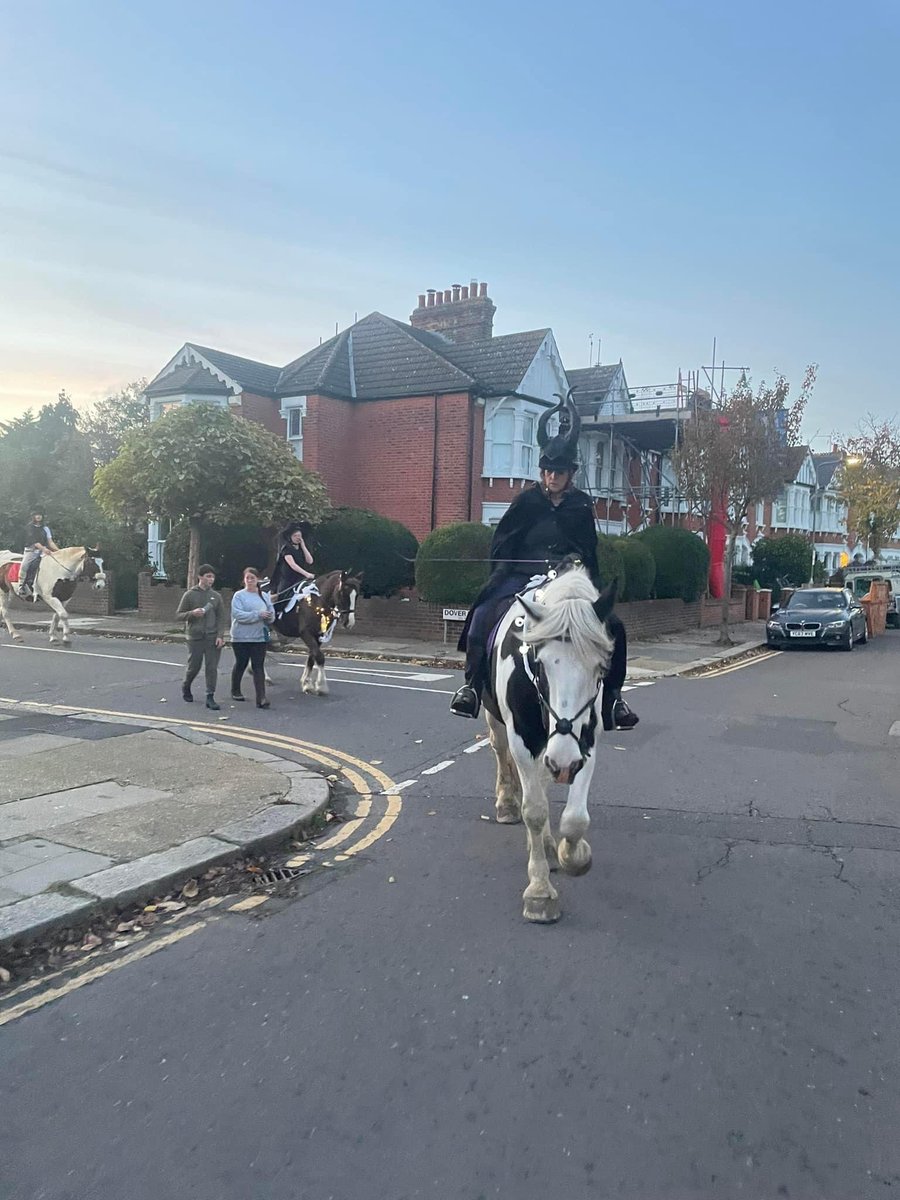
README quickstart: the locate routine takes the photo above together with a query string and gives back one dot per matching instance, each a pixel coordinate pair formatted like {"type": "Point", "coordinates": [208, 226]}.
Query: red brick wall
{"type": "Point", "coordinates": [330, 447]}
{"type": "Point", "coordinates": [711, 610]}
{"type": "Point", "coordinates": [265, 411]}
{"type": "Point", "coordinates": [158, 598]}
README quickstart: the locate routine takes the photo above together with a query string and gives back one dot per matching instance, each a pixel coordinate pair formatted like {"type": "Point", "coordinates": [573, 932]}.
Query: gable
{"type": "Point", "coordinates": [545, 377]}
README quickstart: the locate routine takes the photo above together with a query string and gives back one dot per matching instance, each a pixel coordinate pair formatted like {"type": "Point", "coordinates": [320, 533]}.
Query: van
{"type": "Point", "coordinates": [858, 579]}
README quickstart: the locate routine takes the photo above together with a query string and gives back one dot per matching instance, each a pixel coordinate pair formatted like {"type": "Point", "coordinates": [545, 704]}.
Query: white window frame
{"type": "Point", "coordinates": [293, 408]}
{"type": "Point", "coordinates": [523, 455]}
{"type": "Point", "coordinates": [161, 404]}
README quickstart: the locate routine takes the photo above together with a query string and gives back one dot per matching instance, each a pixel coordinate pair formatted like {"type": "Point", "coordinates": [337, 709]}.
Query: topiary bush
{"type": "Point", "coordinates": [611, 562]}
{"type": "Point", "coordinates": [228, 548]}
{"type": "Point", "coordinates": [640, 569]}
{"type": "Point", "coordinates": [788, 558]}
{"type": "Point", "coordinates": [354, 539]}
{"type": "Point", "coordinates": [682, 562]}
{"type": "Point", "coordinates": [454, 582]}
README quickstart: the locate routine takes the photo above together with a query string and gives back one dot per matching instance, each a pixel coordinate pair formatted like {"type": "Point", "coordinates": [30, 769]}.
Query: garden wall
{"type": "Point", "coordinates": [158, 598]}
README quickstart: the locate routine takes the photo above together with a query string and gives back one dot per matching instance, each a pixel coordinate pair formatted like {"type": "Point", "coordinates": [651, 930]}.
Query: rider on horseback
{"type": "Point", "coordinates": [542, 526]}
{"type": "Point", "coordinates": [38, 542]}
{"type": "Point", "coordinates": [288, 572]}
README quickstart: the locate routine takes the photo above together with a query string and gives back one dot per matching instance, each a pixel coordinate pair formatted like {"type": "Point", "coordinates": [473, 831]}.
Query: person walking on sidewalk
{"type": "Point", "coordinates": [251, 615]}
{"type": "Point", "coordinates": [203, 610]}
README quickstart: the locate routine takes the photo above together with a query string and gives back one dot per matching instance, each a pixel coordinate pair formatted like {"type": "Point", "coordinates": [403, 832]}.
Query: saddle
{"type": "Point", "coordinates": [505, 603]}
{"type": "Point", "coordinates": [300, 591]}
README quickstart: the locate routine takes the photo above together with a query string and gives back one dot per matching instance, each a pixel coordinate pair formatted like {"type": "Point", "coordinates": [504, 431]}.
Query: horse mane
{"type": "Point", "coordinates": [567, 613]}
{"type": "Point", "coordinates": [69, 554]}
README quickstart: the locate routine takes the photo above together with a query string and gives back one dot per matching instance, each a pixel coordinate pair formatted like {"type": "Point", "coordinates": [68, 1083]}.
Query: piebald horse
{"type": "Point", "coordinates": [57, 575]}
{"type": "Point", "coordinates": [313, 620]}
{"type": "Point", "coordinates": [547, 666]}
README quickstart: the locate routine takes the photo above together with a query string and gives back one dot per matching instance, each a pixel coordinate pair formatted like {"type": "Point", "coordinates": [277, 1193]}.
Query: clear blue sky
{"type": "Point", "coordinates": [246, 175]}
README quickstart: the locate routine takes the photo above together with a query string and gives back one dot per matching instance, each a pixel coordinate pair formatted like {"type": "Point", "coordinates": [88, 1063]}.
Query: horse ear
{"type": "Point", "coordinates": [605, 602]}
{"type": "Point", "coordinates": [360, 576]}
{"type": "Point", "coordinates": [533, 611]}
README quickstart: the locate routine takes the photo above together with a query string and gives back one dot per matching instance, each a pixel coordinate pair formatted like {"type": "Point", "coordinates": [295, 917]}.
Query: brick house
{"type": "Point", "coordinates": [428, 422]}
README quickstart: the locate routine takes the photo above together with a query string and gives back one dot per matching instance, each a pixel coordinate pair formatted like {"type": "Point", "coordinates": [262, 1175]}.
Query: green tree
{"type": "Point", "coordinates": [640, 569]}
{"type": "Point", "coordinates": [682, 562]}
{"type": "Point", "coordinates": [108, 422]}
{"type": "Point", "coordinates": [201, 464]}
{"type": "Point", "coordinates": [734, 455]}
{"type": "Point", "coordinates": [610, 563]}
{"type": "Point", "coordinates": [870, 482]}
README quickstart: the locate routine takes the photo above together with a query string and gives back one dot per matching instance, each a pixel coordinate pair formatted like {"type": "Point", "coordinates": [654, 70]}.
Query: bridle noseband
{"type": "Point", "coordinates": [564, 725]}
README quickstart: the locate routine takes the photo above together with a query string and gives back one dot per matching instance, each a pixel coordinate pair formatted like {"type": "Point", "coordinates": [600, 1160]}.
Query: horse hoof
{"type": "Point", "coordinates": [574, 859]}
{"type": "Point", "coordinates": [508, 813]}
{"type": "Point", "coordinates": [17, 637]}
{"type": "Point", "coordinates": [543, 910]}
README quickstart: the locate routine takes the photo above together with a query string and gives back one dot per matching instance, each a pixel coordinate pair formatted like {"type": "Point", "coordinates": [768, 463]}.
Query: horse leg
{"type": "Point", "coordinates": [306, 679]}
{"type": "Point", "coordinates": [60, 619]}
{"type": "Point", "coordinates": [540, 898]}
{"type": "Point", "coordinates": [321, 681]}
{"type": "Point", "coordinates": [573, 850]}
{"type": "Point", "coordinates": [7, 619]}
{"type": "Point", "coordinates": [508, 790]}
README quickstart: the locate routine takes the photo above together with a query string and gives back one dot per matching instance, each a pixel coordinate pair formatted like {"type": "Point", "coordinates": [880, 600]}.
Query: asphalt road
{"type": "Point", "coordinates": [714, 1016]}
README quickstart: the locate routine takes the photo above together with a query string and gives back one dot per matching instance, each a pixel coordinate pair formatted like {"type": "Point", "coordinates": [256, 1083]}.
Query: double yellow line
{"type": "Point", "coordinates": [749, 662]}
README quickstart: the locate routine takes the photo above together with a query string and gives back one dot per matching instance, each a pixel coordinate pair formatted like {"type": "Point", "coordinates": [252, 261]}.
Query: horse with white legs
{"type": "Point", "coordinates": [54, 584]}
{"type": "Point", "coordinates": [550, 654]}
{"type": "Point", "coordinates": [313, 619]}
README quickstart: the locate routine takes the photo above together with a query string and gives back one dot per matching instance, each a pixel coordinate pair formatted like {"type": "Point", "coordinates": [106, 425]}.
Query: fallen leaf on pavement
{"type": "Point", "coordinates": [149, 908]}
{"type": "Point", "coordinates": [484, 818]}
{"type": "Point", "coordinates": [171, 905]}
{"type": "Point", "coordinates": [5, 976]}
{"type": "Point", "coordinates": [91, 941]}
{"type": "Point", "coordinates": [190, 889]}
{"type": "Point", "coordinates": [391, 879]}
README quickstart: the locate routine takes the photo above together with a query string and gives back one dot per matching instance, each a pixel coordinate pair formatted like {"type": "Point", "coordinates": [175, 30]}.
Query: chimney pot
{"type": "Point", "coordinates": [456, 290]}
{"type": "Point", "coordinates": [439, 297]}
{"type": "Point", "coordinates": [421, 299]}
{"type": "Point", "coordinates": [473, 288]}
{"type": "Point", "coordinates": [482, 290]}
{"type": "Point", "coordinates": [447, 296]}
{"type": "Point", "coordinates": [465, 293]}
{"type": "Point", "coordinates": [430, 297]}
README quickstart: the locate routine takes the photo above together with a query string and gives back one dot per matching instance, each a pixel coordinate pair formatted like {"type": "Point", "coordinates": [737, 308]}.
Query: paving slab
{"type": "Point", "coordinates": [129, 881]}
{"type": "Point", "coordinates": [62, 869]}
{"type": "Point", "coordinates": [16, 856]}
{"type": "Point", "coordinates": [34, 743]}
{"type": "Point", "coordinates": [39, 814]}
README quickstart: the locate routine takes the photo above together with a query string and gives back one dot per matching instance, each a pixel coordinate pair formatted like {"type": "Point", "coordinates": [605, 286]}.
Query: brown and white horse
{"type": "Point", "coordinates": [57, 575]}
{"type": "Point", "coordinates": [313, 620]}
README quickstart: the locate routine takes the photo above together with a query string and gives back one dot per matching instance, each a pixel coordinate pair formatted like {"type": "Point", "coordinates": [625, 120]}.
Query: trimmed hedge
{"type": "Point", "coordinates": [355, 539]}
{"type": "Point", "coordinates": [682, 562]}
{"type": "Point", "coordinates": [454, 582]}
{"type": "Point", "coordinates": [788, 558]}
{"type": "Point", "coordinates": [228, 548]}
{"type": "Point", "coordinates": [611, 563]}
{"type": "Point", "coordinates": [640, 569]}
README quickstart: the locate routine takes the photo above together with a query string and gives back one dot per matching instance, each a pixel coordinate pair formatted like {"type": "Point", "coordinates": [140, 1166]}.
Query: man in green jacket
{"type": "Point", "coordinates": [203, 609]}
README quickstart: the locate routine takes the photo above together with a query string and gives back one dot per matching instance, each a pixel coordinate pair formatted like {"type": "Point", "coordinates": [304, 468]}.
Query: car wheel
{"type": "Point", "coordinates": [864, 636]}
{"type": "Point", "coordinates": [850, 643]}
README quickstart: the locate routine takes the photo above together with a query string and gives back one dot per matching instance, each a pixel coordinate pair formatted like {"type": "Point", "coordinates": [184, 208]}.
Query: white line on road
{"type": "Point", "coordinates": [441, 766]}
{"type": "Point", "coordinates": [398, 787]}
{"type": "Point", "coordinates": [477, 746]}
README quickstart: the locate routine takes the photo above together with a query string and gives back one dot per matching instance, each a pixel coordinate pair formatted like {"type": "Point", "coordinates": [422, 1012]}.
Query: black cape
{"type": "Point", "coordinates": [574, 532]}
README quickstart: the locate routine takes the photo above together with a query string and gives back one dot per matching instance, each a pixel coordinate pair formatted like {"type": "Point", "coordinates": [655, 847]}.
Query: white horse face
{"type": "Point", "coordinates": [570, 687]}
{"type": "Point", "coordinates": [98, 579]}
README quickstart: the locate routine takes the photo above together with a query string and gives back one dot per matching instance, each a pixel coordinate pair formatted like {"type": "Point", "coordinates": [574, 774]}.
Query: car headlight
{"type": "Point", "coordinates": [837, 624]}
{"type": "Point", "coordinates": [773, 624]}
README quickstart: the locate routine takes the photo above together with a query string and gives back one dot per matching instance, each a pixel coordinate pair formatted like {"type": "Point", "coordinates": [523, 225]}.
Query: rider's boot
{"type": "Point", "coordinates": [616, 714]}
{"type": "Point", "coordinates": [466, 702]}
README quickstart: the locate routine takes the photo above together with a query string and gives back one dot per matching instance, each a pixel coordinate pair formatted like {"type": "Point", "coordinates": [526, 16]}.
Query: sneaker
{"type": "Point", "coordinates": [465, 702]}
{"type": "Point", "coordinates": [186, 695]}
{"type": "Point", "coordinates": [237, 696]}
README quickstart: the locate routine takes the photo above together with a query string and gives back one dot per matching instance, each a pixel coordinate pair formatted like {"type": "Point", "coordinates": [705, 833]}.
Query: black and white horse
{"type": "Point", "coordinates": [550, 654]}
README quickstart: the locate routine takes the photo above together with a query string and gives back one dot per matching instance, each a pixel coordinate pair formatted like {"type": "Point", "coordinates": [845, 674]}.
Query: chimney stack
{"type": "Point", "coordinates": [466, 312]}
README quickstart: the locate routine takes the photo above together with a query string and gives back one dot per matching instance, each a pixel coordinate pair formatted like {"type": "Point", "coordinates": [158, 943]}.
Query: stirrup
{"type": "Point", "coordinates": [465, 702]}
{"type": "Point", "coordinates": [622, 715]}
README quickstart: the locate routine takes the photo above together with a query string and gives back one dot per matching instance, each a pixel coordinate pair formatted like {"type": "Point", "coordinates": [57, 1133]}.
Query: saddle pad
{"type": "Point", "coordinates": [12, 575]}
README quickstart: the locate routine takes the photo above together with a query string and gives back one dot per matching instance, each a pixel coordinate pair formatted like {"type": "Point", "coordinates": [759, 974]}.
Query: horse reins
{"type": "Point", "coordinates": [564, 725]}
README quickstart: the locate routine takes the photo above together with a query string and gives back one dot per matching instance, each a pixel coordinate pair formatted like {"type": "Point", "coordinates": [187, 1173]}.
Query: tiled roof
{"type": "Point", "coordinates": [191, 378]}
{"type": "Point", "coordinates": [793, 461]}
{"type": "Point", "coordinates": [256, 377]}
{"type": "Point", "coordinates": [499, 364]}
{"type": "Point", "coordinates": [826, 465]}
{"type": "Point", "coordinates": [592, 383]}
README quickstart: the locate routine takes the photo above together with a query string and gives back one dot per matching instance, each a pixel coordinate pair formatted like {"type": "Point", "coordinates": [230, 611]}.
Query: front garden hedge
{"type": "Point", "coordinates": [355, 539]}
{"type": "Point", "coordinates": [682, 562]}
{"type": "Point", "coordinates": [453, 563]}
{"type": "Point", "coordinates": [640, 569]}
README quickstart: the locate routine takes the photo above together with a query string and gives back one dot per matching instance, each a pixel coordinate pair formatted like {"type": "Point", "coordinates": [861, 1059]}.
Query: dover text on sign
{"type": "Point", "coordinates": [455, 614]}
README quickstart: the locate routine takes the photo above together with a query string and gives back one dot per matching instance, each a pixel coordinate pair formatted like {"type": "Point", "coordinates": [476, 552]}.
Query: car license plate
{"type": "Point", "coordinates": [802, 632]}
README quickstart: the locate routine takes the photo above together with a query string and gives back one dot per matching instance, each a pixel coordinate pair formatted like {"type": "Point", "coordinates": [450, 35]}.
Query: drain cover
{"type": "Point", "coordinates": [278, 875]}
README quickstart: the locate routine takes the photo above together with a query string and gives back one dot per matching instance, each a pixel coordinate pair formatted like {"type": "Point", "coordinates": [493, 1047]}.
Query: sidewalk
{"type": "Point", "coordinates": [668, 654]}
{"type": "Point", "coordinates": [97, 813]}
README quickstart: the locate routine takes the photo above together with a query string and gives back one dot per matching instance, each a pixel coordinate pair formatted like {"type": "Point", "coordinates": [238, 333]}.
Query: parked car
{"type": "Point", "coordinates": [818, 617]}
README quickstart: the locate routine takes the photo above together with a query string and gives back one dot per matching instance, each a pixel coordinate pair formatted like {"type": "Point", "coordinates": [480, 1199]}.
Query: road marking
{"type": "Point", "coordinates": [413, 676]}
{"type": "Point", "coordinates": [750, 662]}
{"type": "Point", "coordinates": [477, 746]}
{"type": "Point", "coordinates": [422, 677]}
{"type": "Point", "coordinates": [894, 730]}
{"type": "Point", "coordinates": [80, 981]}
{"type": "Point", "coordinates": [65, 652]}
{"type": "Point", "coordinates": [247, 903]}
{"type": "Point", "coordinates": [441, 766]}
{"type": "Point", "coordinates": [399, 787]}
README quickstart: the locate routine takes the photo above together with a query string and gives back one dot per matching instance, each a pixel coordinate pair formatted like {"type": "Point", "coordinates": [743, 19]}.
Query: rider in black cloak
{"type": "Point", "coordinates": [289, 569]}
{"type": "Point", "coordinates": [543, 525]}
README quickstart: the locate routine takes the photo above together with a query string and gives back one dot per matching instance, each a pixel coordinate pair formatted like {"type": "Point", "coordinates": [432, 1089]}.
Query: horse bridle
{"type": "Point", "coordinates": [564, 725]}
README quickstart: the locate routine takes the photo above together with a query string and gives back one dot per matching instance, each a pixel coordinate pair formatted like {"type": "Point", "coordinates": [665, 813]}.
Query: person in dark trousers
{"type": "Point", "coordinates": [203, 610]}
{"type": "Point", "coordinates": [251, 615]}
{"type": "Point", "coordinates": [543, 525]}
